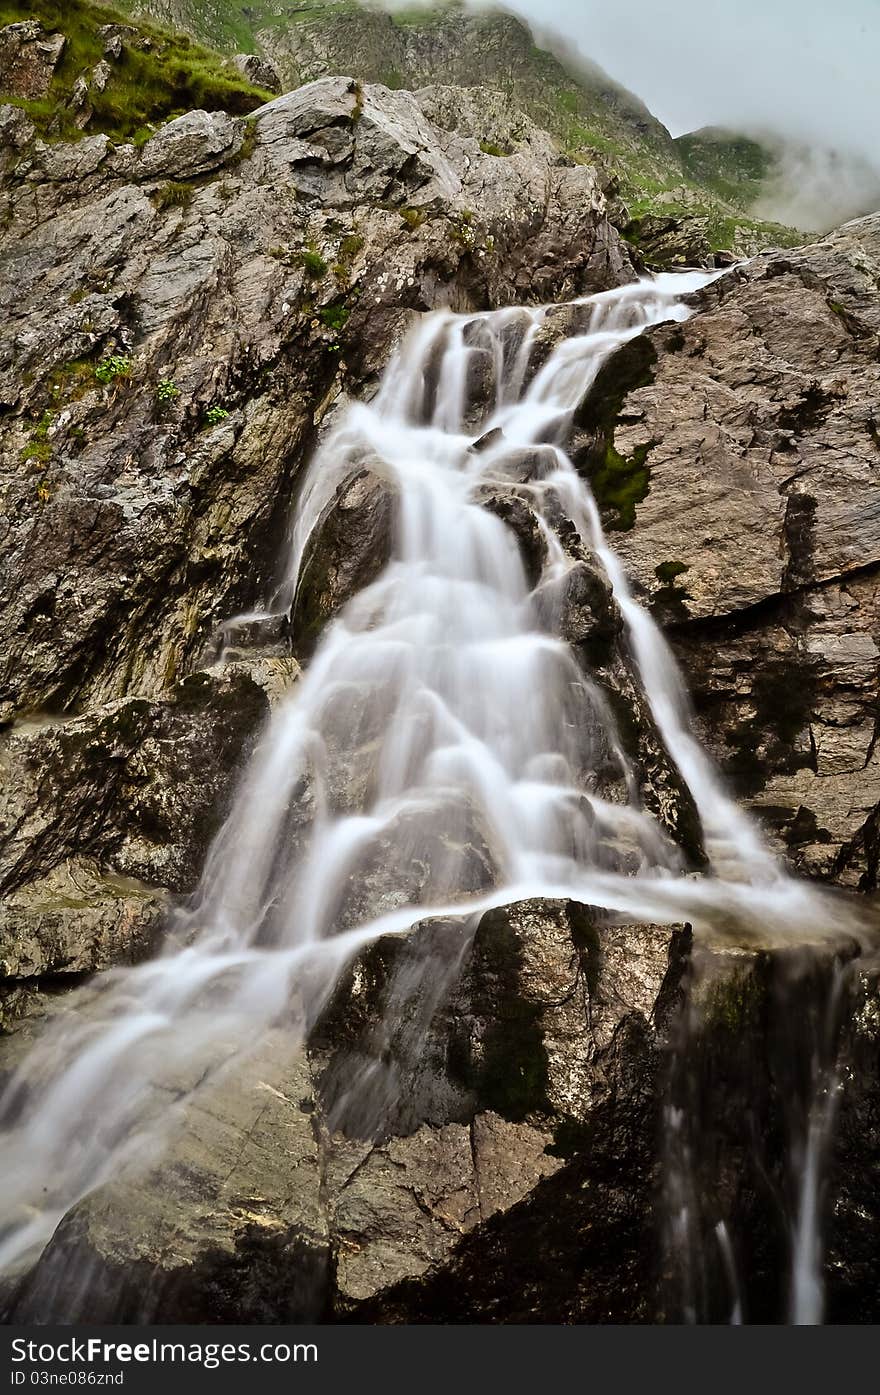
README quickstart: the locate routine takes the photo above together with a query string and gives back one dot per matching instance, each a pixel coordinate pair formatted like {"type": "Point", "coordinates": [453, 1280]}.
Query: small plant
{"type": "Point", "coordinates": [350, 246]}
{"type": "Point", "coordinates": [313, 264]}
{"type": "Point", "coordinates": [461, 229]}
{"type": "Point", "coordinates": [174, 195]}
{"type": "Point", "coordinates": [112, 368]}
{"type": "Point", "coordinates": [44, 493]}
{"type": "Point", "coordinates": [38, 451]}
{"type": "Point", "coordinates": [413, 217]}
{"type": "Point", "coordinates": [249, 144]}
{"type": "Point", "coordinates": [489, 147]}
{"type": "Point", "coordinates": [167, 392]}
{"type": "Point", "coordinates": [215, 415]}
{"type": "Point", "coordinates": [334, 316]}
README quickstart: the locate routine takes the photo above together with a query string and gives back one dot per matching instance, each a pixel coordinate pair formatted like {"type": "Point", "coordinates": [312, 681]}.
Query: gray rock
{"type": "Point", "coordinates": [260, 71]}
{"type": "Point", "coordinates": [758, 539]}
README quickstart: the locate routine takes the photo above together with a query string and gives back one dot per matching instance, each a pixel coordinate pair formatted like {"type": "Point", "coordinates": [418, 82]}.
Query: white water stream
{"type": "Point", "coordinates": [439, 756]}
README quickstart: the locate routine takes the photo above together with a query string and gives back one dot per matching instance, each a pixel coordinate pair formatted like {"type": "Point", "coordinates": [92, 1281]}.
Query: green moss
{"type": "Point", "coordinates": [619, 484]}
{"type": "Point", "coordinates": [667, 572]}
{"type": "Point", "coordinates": [313, 264]}
{"type": "Point", "coordinates": [488, 147]}
{"type": "Point", "coordinates": [733, 1003]}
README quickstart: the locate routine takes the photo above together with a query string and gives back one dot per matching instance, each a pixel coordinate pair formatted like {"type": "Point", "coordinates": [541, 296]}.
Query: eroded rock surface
{"type": "Point", "coordinates": [282, 1200]}
{"type": "Point", "coordinates": [179, 320]}
{"type": "Point", "coordinates": [756, 532]}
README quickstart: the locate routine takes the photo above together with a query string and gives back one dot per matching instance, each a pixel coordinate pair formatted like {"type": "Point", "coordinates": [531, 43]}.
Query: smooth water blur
{"type": "Point", "coordinates": [443, 753]}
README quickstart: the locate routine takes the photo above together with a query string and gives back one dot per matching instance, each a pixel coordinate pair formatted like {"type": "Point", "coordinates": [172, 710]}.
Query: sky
{"type": "Point", "coordinates": [805, 70]}
{"type": "Point", "coordinates": [809, 69]}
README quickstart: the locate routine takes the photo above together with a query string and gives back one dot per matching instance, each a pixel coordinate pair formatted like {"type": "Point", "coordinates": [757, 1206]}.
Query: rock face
{"type": "Point", "coordinates": [546, 1039]}
{"type": "Point", "coordinates": [758, 536]}
{"type": "Point", "coordinates": [179, 320]}
{"type": "Point", "coordinates": [28, 59]}
{"type": "Point", "coordinates": [260, 71]}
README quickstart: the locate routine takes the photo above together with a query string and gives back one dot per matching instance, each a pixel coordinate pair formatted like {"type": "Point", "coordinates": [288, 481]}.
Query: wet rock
{"type": "Point", "coordinates": [264, 1209]}
{"type": "Point", "coordinates": [231, 1227]}
{"type": "Point", "coordinates": [758, 537]}
{"type": "Point", "coordinates": [348, 550]}
{"type": "Point", "coordinates": [74, 921]}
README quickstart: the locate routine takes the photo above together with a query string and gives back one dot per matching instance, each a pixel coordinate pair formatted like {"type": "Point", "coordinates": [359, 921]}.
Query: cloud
{"type": "Point", "coordinates": [804, 71]}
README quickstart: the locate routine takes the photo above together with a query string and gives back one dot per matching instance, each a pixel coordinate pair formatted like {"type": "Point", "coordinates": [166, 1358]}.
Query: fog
{"type": "Point", "coordinates": [802, 71]}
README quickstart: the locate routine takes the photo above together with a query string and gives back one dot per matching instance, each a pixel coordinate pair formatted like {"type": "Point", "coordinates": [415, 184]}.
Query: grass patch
{"type": "Point", "coordinates": [174, 195]}
{"type": "Point", "coordinates": [313, 264]}
{"type": "Point", "coordinates": [146, 86]}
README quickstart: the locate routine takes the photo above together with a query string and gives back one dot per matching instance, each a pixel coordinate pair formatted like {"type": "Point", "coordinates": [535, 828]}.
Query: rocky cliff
{"type": "Point", "coordinates": [183, 317]}
{"type": "Point", "coordinates": [180, 321]}
{"type": "Point", "coordinates": [698, 207]}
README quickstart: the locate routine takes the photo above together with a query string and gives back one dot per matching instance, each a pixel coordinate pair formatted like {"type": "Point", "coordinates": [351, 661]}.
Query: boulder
{"type": "Point", "coordinates": [28, 59]}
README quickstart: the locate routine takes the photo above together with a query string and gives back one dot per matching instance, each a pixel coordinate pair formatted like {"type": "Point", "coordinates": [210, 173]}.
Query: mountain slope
{"type": "Point", "coordinates": [79, 68]}
{"type": "Point", "coordinates": [592, 118]}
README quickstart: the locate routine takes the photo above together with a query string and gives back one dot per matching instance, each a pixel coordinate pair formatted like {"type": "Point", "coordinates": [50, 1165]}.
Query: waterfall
{"type": "Point", "coordinates": [444, 753]}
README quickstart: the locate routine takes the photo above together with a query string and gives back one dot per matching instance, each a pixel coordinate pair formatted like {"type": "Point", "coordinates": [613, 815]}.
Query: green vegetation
{"type": "Point", "coordinates": [667, 572]}
{"type": "Point", "coordinates": [167, 392]}
{"type": "Point", "coordinates": [112, 368]}
{"type": "Point", "coordinates": [313, 264]}
{"type": "Point", "coordinates": [215, 415]}
{"type": "Point", "coordinates": [148, 84]}
{"type": "Point", "coordinates": [350, 247]}
{"type": "Point", "coordinates": [619, 483]}
{"type": "Point", "coordinates": [174, 195]}
{"type": "Point", "coordinates": [335, 317]}
{"type": "Point", "coordinates": [413, 217]}
{"type": "Point", "coordinates": [38, 450]}
{"type": "Point", "coordinates": [709, 174]}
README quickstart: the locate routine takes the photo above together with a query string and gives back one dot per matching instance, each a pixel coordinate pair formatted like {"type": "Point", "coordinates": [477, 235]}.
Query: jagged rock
{"type": "Point", "coordinates": [758, 536]}
{"type": "Point", "coordinates": [102, 814]}
{"type": "Point", "coordinates": [665, 243]}
{"type": "Point", "coordinates": [207, 284]}
{"type": "Point", "coordinates": [28, 59]}
{"type": "Point", "coordinates": [191, 145]}
{"type": "Point", "coordinates": [347, 551]}
{"type": "Point", "coordinates": [74, 921]}
{"type": "Point", "coordinates": [189, 263]}
{"type": "Point", "coordinates": [260, 71]}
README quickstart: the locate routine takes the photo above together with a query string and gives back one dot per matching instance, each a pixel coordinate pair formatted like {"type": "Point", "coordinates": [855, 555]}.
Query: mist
{"type": "Point", "coordinates": [800, 74]}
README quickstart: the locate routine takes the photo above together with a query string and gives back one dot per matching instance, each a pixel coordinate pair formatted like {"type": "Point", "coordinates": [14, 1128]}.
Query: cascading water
{"type": "Point", "coordinates": [440, 756]}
